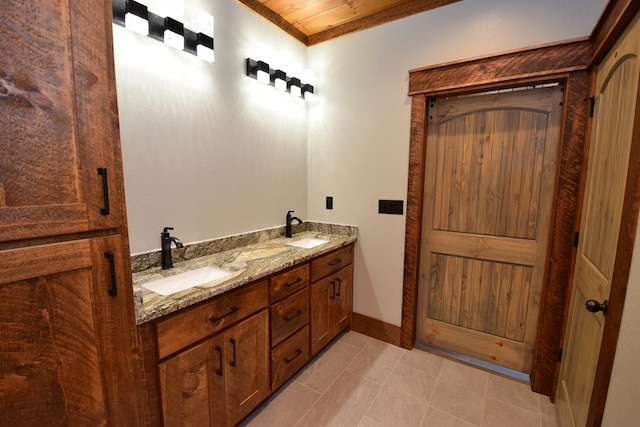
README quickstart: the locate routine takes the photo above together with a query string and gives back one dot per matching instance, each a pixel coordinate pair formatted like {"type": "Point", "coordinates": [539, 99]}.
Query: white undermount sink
{"type": "Point", "coordinates": [188, 279]}
{"type": "Point", "coordinates": [308, 242]}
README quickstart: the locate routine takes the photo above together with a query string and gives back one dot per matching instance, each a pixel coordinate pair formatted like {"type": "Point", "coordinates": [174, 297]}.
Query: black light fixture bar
{"type": "Point", "coordinates": [157, 25]}
{"type": "Point", "coordinates": [253, 66]}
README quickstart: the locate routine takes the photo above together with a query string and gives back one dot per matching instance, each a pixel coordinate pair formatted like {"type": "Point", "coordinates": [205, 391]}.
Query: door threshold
{"type": "Point", "coordinates": [498, 370]}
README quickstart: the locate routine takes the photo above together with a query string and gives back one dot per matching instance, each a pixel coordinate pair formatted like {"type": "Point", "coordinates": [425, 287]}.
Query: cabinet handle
{"type": "Point", "coordinates": [335, 262]}
{"type": "Point", "coordinates": [333, 293]}
{"type": "Point", "coordinates": [292, 358]}
{"type": "Point", "coordinates": [219, 372]}
{"type": "Point", "coordinates": [215, 318]}
{"type": "Point", "coordinates": [339, 286]}
{"type": "Point", "coordinates": [298, 280]}
{"type": "Point", "coordinates": [105, 191]}
{"type": "Point", "coordinates": [293, 316]}
{"type": "Point", "coordinates": [233, 344]}
{"type": "Point", "coordinates": [113, 290]}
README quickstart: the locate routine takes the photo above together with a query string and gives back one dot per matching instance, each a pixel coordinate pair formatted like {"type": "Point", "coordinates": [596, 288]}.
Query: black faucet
{"type": "Point", "coordinates": [290, 218]}
{"type": "Point", "coordinates": [166, 240]}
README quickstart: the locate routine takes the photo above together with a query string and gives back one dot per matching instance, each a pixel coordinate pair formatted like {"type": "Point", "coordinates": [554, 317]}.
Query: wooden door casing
{"type": "Point", "coordinates": [602, 213]}
{"type": "Point", "coordinates": [491, 171]}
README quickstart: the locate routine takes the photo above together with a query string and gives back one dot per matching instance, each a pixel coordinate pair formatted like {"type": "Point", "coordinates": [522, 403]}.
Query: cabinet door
{"type": "Point", "coordinates": [192, 386]}
{"type": "Point", "coordinates": [58, 117]}
{"type": "Point", "coordinates": [247, 370]}
{"type": "Point", "coordinates": [331, 307]}
{"type": "Point", "coordinates": [342, 309]}
{"type": "Point", "coordinates": [322, 296]}
{"type": "Point", "coordinates": [54, 369]}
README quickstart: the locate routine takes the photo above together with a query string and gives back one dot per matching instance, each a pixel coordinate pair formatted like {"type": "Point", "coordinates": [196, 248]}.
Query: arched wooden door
{"type": "Point", "coordinates": [491, 164]}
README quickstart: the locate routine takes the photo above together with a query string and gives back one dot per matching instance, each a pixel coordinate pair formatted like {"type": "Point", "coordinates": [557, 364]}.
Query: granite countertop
{"type": "Point", "coordinates": [246, 263]}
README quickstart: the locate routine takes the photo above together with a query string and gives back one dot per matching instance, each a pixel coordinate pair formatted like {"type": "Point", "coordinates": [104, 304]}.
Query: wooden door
{"type": "Point", "coordinates": [489, 181]}
{"type": "Point", "coordinates": [58, 119]}
{"type": "Point", "coordinates": [615, 102]}
{"type": "Point", "coordinates": [247, 366]}
{"type": "Point", "coordinates": [192, 386]}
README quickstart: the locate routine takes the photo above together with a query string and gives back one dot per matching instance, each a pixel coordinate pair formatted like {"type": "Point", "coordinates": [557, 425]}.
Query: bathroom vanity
{"type": "Point", "coordinates": [213, 353]}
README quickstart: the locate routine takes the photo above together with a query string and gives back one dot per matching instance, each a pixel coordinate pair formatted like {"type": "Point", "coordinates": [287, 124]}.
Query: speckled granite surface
{"type": "Point", "coordinates": [248, 257]}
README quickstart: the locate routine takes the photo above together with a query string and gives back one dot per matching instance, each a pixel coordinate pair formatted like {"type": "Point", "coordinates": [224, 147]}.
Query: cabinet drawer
{"type": "Point", "coordinates": [289, 282]}
{"type": "Point", "coordinates": [329, 263]}
{"type": "Point", "coordinates": [216, 314]}
{"type": "Point", "coordinates": [289, 357]}
{"type": "Point", "coordinates": [289, 315]}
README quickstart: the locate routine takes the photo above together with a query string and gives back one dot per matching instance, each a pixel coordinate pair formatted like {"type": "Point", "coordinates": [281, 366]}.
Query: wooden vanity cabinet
{"type": "Point", "coordinates": [221, 379]}
{"type": "Point", "coordinates": [218, 360]}
{"type": "Point", "coordinates": [331, 297]}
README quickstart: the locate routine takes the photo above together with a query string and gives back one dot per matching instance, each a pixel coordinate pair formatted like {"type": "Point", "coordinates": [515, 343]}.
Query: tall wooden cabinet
{"type": "Point", "coordinates": [67, 328]}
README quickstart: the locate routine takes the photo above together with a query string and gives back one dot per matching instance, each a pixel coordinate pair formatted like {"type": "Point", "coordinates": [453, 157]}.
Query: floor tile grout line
{"type": "Point", "coordinates": [484, 407]}
{"type": "Point", "coordinates": [380, 390]}
{"type": "Point", "coordinates": [432, 392]}
{"type": "Point", "coordinates": [333, 382]}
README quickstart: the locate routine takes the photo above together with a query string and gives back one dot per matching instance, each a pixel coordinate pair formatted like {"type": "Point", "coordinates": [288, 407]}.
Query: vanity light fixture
{"type": "Point", "coordinates": [165, 29]}
{"type": "Point", "coordinates": [136, 17]}
{"type": "Point", "coordinates": [260, 71]}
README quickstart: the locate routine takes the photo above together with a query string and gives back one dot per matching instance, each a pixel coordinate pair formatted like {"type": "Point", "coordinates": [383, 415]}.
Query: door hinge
{"type": "Point", "coordinates": [560, 355]}
{"type": "Point", "coordinates": [576, 238]}
{"type": "Point", "coordinates": [592, 107]}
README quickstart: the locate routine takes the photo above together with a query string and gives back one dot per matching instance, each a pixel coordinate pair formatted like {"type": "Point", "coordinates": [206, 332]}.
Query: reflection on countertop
{"type": "Point", "coordinates": [248, 257]}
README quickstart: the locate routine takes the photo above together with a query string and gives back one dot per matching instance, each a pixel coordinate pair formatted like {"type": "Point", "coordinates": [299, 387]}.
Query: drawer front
{"type": "Point", "coordinates": [289, 357]}
{"type": "Point", "coordinates": [200, 321]}
{"type": "Point", "coordinates": [289, 315]}
{"type": "Point", "coordinates": [330, 263]}
{"type": "Point", "coordinates": [289, 282]}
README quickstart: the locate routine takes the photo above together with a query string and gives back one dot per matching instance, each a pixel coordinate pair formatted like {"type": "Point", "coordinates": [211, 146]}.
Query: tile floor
{"type": "Point", "coordinates": [363, 382]}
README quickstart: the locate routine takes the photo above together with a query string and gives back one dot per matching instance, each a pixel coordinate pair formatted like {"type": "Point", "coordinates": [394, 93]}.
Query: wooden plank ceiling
{"type": "Point", "coordinates": [315, 21]}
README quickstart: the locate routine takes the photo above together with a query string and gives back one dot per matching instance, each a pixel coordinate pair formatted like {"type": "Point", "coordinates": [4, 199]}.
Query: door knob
{"type": "Point", "coordinates": [594, 306]}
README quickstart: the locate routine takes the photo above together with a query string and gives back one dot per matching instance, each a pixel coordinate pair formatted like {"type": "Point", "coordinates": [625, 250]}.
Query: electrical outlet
{"type": "Point", "coordinates": [329, 203]}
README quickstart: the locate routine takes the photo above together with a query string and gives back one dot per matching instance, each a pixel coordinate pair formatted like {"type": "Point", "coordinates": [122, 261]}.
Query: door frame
{"type": "Point", "coordinates": [565, 62]}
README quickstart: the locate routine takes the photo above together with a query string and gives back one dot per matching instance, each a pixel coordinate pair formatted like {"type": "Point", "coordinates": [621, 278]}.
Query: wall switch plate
{"type": "Point", "coordinates": [329, 204]}
{"type": "Point", "coordinates": [393, 207]}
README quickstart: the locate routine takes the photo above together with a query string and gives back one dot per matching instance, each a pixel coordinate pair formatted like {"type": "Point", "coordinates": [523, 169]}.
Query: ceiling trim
{"type": "Point", "coordinates": [382, 17]}
{"type": "Point", "coordinates": [276, 19]}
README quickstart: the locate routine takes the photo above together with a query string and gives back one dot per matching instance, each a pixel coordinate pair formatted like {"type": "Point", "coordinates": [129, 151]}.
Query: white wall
{"type": "Point", "coordinates": [207, 149]}
{"type": "Point", "coordinates": [358, 140]}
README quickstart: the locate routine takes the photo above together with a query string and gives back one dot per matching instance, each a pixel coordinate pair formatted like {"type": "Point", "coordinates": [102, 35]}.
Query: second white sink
{"type": "Point", "coordinates": [188, 279]}
{"type": "Point", "coordinates": [308, 243]}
